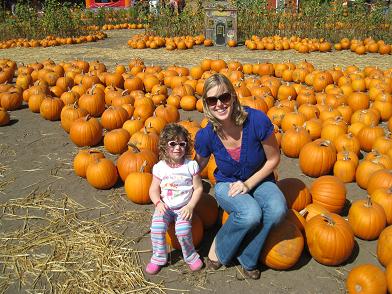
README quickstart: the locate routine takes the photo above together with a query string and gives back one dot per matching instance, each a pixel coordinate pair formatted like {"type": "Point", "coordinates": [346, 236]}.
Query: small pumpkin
{"type": "Point", "coordinates": [83, 159]}
{"type": "Point", "coordinates": [367, 219]}
{"type": "Point", "coordinates": [116, 141]}
{"type": "Point", "coordinates": [4, 117]}
{"type": "Point", "coordinates": [137, 185]}
{"type": "Point", "coordinates": [384, 246]}
{"type": "Point", "coordinates": [329, 192]}
{"type": "Point", "coordinates": [102, 173]}
{"type": "Point", "coordinates": [366, 278]}
{"type": "Point", "coordinates": [86, 131]}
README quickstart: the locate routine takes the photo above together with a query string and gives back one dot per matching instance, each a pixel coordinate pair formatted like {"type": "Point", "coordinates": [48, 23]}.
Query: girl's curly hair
{"type": "Point", "coordinates": [173, 132]}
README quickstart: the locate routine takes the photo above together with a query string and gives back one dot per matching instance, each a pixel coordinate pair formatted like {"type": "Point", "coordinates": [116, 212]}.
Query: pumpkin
{"type": "Point", "coordinates": [383, 197]}
{"type": "Point", "coordinates": [133, 125]}
{"type": "Point", "coordinates": [116, 141]}
{"type": "Point", "coordinates": [364, 171]}
{"type": "Point", "coordinates": [330, 239]}
{"type": "Point", "coordinates": [366, 278]}
{"type": "Point", "coordinates": [366, 218]}
{"type": "Point", "coordinates": [283, 246]}
{"type": "Point", "coordinates": [344, 169]}
{"type": "Point", "coordinates": [311, 210]}
{"type": "Point", "coordinates": [207, 209]}
{"type": "Point", "coordinates": [296, 218]}
{"type": "Point", "coordinates": [329, 192]}
{"type": "Point", "coordinates": [86, 131]}
{"type": "Point", "coordinates": [145, 139]}
{"type": "Point", "coordinates": [296, 193]}
{"type": "Point", "coordinates": [347, 142]}
{"type": "Point", "coordinates": [137, 185]}
{"type": "Point", "coordinates": [50, 108]}
{"type": "Point", "coordinates": [211, 167]}
{"type": "Point", "coordinates": [11, 100]}
{"type": "Point", "coordinates": [368, 135]}
{"type": "Point", "coordinates": [197, 233]}
{"type": "Point", "coordinates": [133, 160]}
{"type": "Point", "coordinates": [69, 114]}
{"type": "Point", "coordinates": [83, 159]}
{"type": "Point", "coordinates": [384, 246]}
{"type": "Point", "coordinates": [4, 117]}
{"type": "Point", "coordinates": [101, 173]}
{"type": "Point", "coordinates": [380, 179]}
{"type": "Point", "coordinates": [114, 117]}
{"type": "Point", "coordinates": [293, 140]}
{"type": "Point", "coordinates": [93, 102]}
{"type": "Point", "coordinates": [317, 158]}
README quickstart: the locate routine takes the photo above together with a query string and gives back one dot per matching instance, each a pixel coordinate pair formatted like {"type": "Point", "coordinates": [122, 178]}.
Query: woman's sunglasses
{"type": "Point", "coordinates": [173, 144]}
{"type": "Point", "coordinates": [223, 98]}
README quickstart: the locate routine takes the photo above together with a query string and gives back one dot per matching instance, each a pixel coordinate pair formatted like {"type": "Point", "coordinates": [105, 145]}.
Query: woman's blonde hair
{"type": "Point", "coordinates": [172, 132]}
{"type": "Point", "coordinates": [238, 115]}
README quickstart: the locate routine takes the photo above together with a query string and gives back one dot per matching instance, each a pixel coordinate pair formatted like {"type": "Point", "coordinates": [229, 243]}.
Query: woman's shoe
{"type": "Point", "coordinates": [253, 274]}
{"type": "Point", "coordinates": [152, 268]}
{"type": "Point", "coordinates": [211, 264]}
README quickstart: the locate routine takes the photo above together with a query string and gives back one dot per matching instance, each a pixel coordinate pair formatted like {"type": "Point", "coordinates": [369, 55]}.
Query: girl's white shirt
{"type": "Point", "coordinates": [176, 182]}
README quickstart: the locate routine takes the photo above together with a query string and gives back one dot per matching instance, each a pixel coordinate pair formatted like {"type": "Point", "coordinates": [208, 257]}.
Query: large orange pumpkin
{"type": "Point", "coordinates": [330, 239]}
{"type": "Point", "coordinates": [197, 233]}
{"type": "Point", "coordinates": [296, 193]}
{"type": "Point", "coordinates": [207, 210]}
{"type": "Point", "coordinates": [283, 246]}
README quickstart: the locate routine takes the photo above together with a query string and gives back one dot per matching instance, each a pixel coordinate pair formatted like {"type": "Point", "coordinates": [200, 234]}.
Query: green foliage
{"type": "Point", "coordinates": [57, 18]}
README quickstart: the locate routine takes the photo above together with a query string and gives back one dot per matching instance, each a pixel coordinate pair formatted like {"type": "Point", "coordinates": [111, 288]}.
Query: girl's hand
{"type": "Point", "coordinates": [161, 208]}
{"type": "Point", "coordinates": [238, 187]}
{"type": "Point", "coordinates": [186, 212]}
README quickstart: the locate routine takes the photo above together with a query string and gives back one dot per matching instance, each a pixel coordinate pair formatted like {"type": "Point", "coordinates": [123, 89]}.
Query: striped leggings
{"type": "Point", "coordinates": [183, 229]}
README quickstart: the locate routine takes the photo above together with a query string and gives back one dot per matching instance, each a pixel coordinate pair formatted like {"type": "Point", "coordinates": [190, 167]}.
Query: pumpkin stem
{"type": "Point", "coordinates": [368, 201]}
{"type": "Point", "coordinates": [304, 212]}
{"type": "Point", "coordinates": [143, 166]}
{"type": "Point", "coordinates": [328, 218]}
{"type": "Point", "coordinates": [135, 149]}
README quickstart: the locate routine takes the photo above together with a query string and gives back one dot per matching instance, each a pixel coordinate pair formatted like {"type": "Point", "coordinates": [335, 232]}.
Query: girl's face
{"type": "Point", "coordinates": [220, 102]}
{"type": "Point", "coordinates": [176, 149]}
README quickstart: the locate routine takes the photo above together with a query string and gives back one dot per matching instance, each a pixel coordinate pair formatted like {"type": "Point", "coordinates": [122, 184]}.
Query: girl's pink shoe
{"type": "Point", "coordinates": [152, 268]}
{"type": "Point", "coordinates": [197, 265]}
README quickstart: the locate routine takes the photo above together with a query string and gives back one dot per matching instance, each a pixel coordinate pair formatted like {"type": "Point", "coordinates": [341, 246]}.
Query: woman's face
{"type": "Point", "coordinates": [220, 102]}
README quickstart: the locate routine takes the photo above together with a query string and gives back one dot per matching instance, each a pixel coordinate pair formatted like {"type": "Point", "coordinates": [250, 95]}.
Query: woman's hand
{"type": "Point", "coordinates": [186, 212]}
{"type": "Point", "coordinates": [238, 187]}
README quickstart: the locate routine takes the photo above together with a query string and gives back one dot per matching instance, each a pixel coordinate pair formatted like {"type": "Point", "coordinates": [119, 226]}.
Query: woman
{"type": "Point", "coordinates": [244, 146]}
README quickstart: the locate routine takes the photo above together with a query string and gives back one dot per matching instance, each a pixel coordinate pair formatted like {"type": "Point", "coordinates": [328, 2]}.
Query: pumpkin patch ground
{"type": "Point", "coordinates": [59, 232]}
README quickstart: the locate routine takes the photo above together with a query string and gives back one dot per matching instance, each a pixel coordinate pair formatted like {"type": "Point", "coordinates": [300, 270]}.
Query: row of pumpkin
{"type": "Point", "coordinates": [142, 91]}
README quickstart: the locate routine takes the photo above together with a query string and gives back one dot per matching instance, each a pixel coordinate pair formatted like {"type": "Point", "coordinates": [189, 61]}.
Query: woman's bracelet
{"type": "Point", "coordinates": [156, 203]}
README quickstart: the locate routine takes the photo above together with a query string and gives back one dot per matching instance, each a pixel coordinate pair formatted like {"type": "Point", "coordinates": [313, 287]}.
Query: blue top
{"type": "Point", "coordinates": [256, 128]}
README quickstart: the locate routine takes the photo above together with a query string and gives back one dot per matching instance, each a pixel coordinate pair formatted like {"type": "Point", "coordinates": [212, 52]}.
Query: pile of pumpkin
{"type": "Point", "coordinates": [50, 41]}
{"type": "Point", "coordinates": [142, 41]}
{"type": "Point", "coordinates": [301, 45]}
{"type": "Point", "coordinates": [326, 118]}
{"type": "Point", "coordinates": [368, 45]}
{"type": "Point", "coordinates": [120, 26]}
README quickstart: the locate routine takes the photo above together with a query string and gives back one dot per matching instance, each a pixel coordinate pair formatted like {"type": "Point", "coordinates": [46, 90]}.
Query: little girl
{"type": "Point", "coordinates": [175, 190]}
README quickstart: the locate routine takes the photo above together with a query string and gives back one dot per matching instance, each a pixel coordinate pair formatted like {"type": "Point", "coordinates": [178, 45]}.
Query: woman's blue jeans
{"type": "Point", "coordinates": [252, 216]}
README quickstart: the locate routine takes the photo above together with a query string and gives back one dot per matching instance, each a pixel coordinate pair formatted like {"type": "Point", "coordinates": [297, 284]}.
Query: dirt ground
{"type": "Point", "coordinates": [36, 156]}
